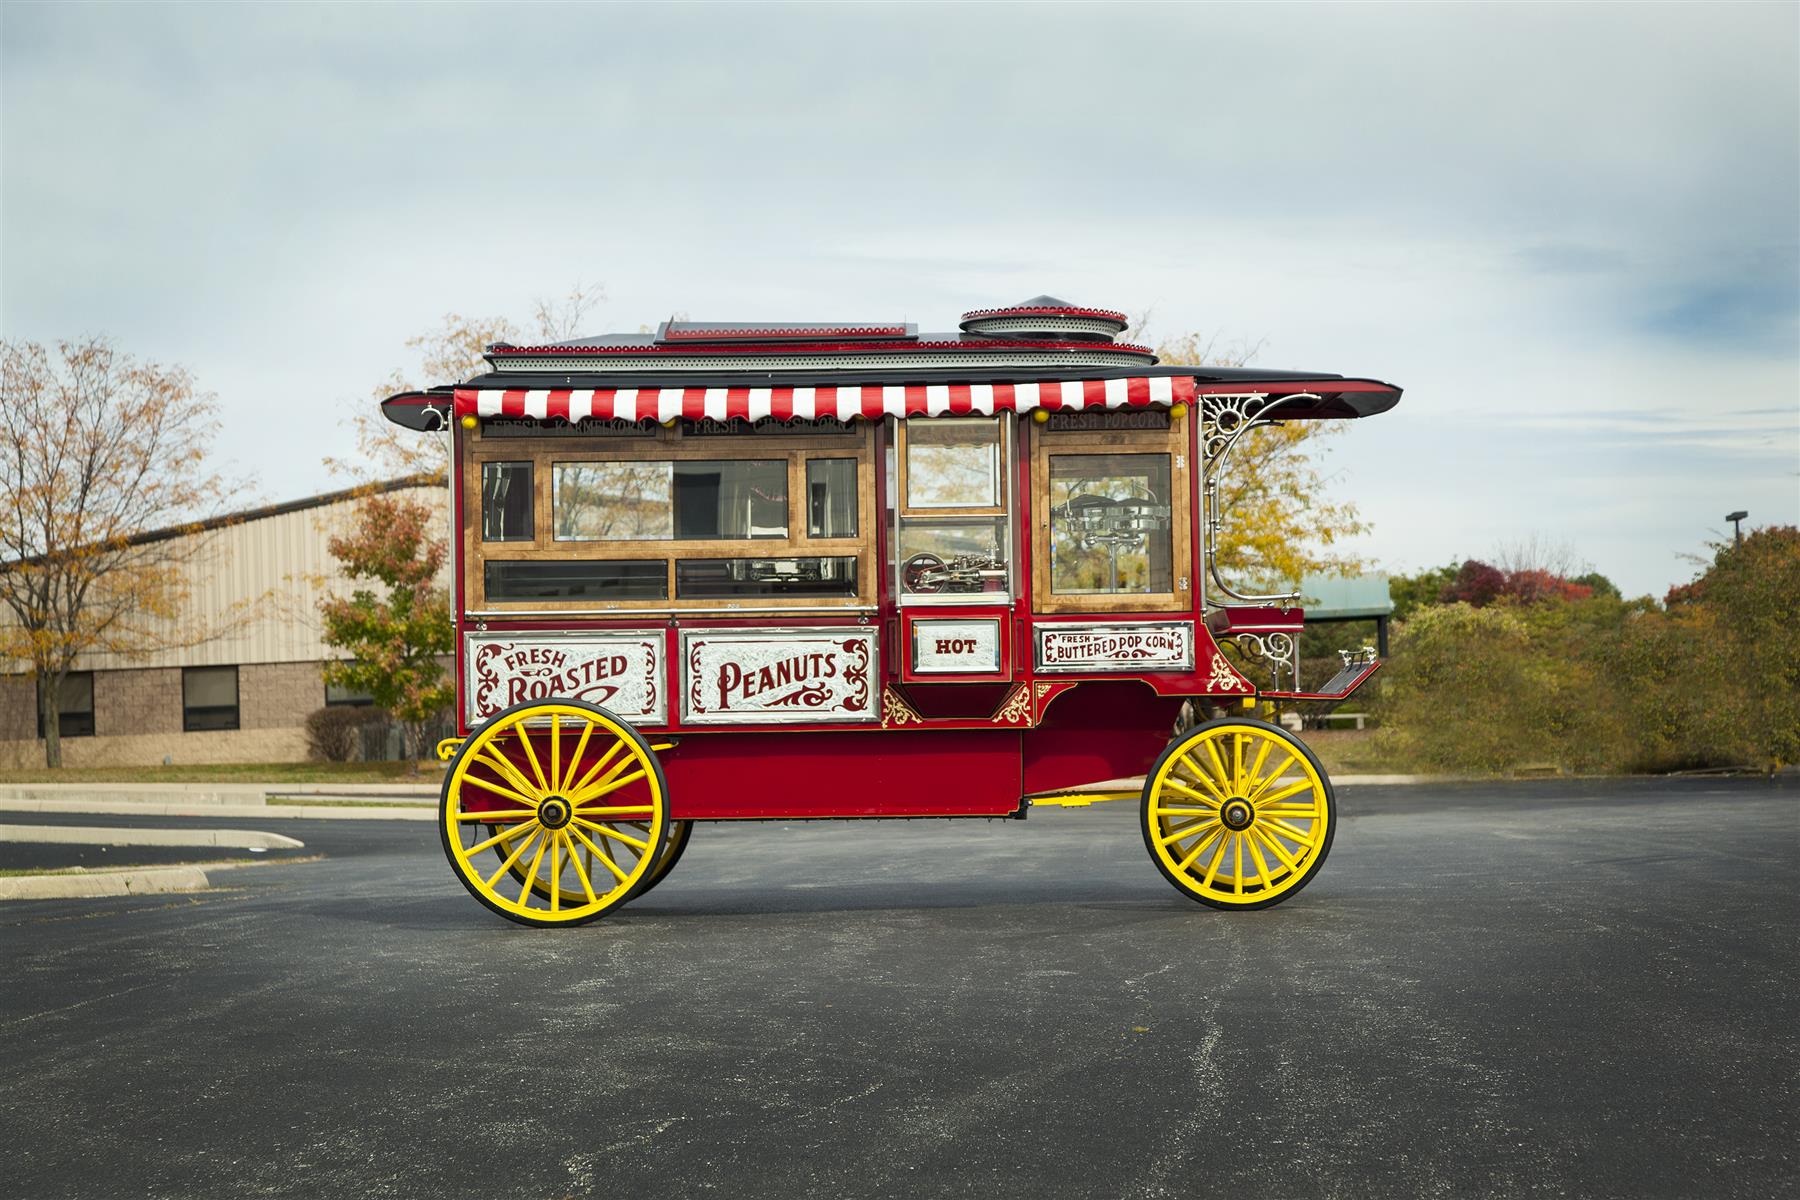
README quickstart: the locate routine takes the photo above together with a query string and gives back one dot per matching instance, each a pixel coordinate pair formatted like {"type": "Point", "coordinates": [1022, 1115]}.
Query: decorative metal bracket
{"type": "Point", "coordinates": [1277, 653]}
{"type": "Point", "coordinates": [1224, 419]}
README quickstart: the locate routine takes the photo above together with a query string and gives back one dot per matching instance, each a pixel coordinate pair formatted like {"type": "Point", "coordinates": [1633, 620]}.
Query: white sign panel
{"type": "Point", "coordinates": [622, 672]}
{"type": "Point", "coordinates": [777, 676]}
{"type": "Point", "coordinates": [952, 647]}
{"type": "Point", "coordinates": [1135, 646]}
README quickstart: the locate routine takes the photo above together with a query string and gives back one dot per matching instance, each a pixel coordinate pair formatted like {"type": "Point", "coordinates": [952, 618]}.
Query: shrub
{"type": "Point", "coordinates": [334, 733]}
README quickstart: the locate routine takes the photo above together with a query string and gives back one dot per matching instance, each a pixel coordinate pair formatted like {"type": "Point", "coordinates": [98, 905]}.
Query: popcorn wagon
{"type": "Point", "coordinates": [738, 571]}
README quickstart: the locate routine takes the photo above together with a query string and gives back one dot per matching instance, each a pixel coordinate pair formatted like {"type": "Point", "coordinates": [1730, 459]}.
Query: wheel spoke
{"type": "Point", "coordinates": [634, 843]}
{"type": "Point", "coordinates": [495, 788]}
{"type": "Point", "coordinates": [537, 860]}
{"type": "Point", "coordinates": [1290, 790]}
{"type": "Point", "coordinates": [598, 766]}
{"type": "Point", "coordinates": [1202, 778]}
{"type": "Point", "coordinates": [587, 884]}
{"type": "Point", "coordinates": [1274, 845]}
{"type": "Point", "coordinates": [1185, 831]}
{"type": "Point", "coordinates": [488, 757]}
{"type": "Point", "coordinates": [613, 810]}
{"type": "Point", "coordinates": [1237, 763]}
{"type": "Point", "coordinates": [555, 877]}
{"type": "Point", "coordinates": [555, 752]}
{"type": "Point", "coordinates": [1262, 867]}
{"type": "Point", "coordinates": [502, 836]}
{"type": "Point", "coordinates": [1212, 869]}
{"type": "Point", "coordinates": [1194, 854]}
{"type": "Point", "coordinates": [1191, 794]}
{"type": "Point", "coordinates": [1212, 752]}
{"type": "Point", "coordinates": [511, 859]}
{"type": "Point", "coordinates": [1238, 883]}
{"type": "Point", "coordinates": [587, 731]}
{"type": "Point", "coordinates": [497, 814]}
{"type": "Point", "coordinates": [1177, 810]}
{"type": "Point", "coordinates": [1304, 838]}
{"type": "Point", "coordinates": [597, 791]}
{"type": "Point", "coordinates": [597, 852]}
{"type": "Point", "coordinates": [524, 736]}
{"type": "Point", "coordinates": [1262, 755]}
{"type": "Point", "coordinates": [1263, 785]}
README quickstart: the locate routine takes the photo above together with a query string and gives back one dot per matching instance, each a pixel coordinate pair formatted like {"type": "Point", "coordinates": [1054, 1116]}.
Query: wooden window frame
{"type": "Point", "coordinates": [1046, 444]}
{"type": "Point", "coordinates": [670, 445]}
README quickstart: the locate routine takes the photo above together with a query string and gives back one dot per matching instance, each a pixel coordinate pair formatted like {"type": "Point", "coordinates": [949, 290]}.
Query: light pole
{"type": "Point", "coordinates": [1735, 518]}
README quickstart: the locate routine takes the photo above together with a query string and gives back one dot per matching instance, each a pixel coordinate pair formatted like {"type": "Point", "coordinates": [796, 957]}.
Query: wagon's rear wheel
{"type": "Point", "coordinates": [675, 841]}
{"type": "Point", "coordinates": [1238, 814]}
{"type": "Point", "coordinates": [554, 812]}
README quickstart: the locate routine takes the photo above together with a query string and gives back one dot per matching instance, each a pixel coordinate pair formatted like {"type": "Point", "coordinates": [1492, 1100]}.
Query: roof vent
{"type": "Point", "coordinates": [1048, 318]}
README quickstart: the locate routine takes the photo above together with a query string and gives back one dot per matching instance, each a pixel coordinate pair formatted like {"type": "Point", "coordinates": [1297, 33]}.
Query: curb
{"type": "Point", "coordinates": [315, 812]}
{"type": "Point", "coordinates": [86, 885]}
{"type": "Point", "coordinates": [94, 835]}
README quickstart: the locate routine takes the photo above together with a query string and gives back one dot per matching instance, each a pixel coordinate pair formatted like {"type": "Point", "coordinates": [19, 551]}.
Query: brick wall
{"type": "Point", "coordinates": [137, 719]}
{"type": "Point", "coordinates": [146, 701]}
{"type": "Point", "coordinates": [18, 708]}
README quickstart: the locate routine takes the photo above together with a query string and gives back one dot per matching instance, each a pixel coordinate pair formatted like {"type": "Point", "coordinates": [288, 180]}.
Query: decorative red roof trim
{"type": "Point", "coordinates": [711, 332]}
{"type": "Point", "coordinates": [1101, 314]}
{"type": "Point", "coordinates": [976, 346]}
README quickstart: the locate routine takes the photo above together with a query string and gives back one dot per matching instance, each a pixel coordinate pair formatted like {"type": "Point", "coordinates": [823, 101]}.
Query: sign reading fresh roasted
{"type": "Point", "coordinates": [620, 672]}
{"type": "Point", "coordinates": [777, 676]}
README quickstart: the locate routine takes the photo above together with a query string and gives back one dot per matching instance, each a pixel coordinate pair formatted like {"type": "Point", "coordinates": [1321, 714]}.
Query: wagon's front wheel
{"type": "Point", "coordinates": [554, 812]}
{"type": "Point", "coordinates": [1238, 814]}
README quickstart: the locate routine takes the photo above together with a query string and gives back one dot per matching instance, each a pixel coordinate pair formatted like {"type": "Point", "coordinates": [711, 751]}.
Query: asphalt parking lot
{"type": "Point", "coordinates": [1548, 989]}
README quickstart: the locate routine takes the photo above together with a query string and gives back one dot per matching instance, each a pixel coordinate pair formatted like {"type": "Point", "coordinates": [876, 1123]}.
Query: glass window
{"type": "Point", "coordinates": [657, 501]}
{"type": "Point", "coordinates": [75, 706]}
{"type": "Point", "coordinates": [953, 462]}
{"type": "Point", "coordinates": [731, 499]}
{"type": "Point", "coordinates": [506, 502]}
{"type": "Point", "coordinates": [831, 497]}
{"type": "Point", "coordinates": [705, 578]}
{"type": "Point", "coordinates": [1109, 524]}
{"type": "Point", "coordinates": [953, 557]}
{"type": "Point", "coordinates": [578, 579]}
{"type": "Point", "coordinates": [209, 698]}
{"type": "Point", "coordinates": [613, 501]}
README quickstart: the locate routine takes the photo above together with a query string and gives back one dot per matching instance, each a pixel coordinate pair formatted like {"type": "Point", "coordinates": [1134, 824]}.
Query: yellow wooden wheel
{"type": "Point", "coordinates": [554, 812]}
{"type": "Point", "coordinates": [1238, 814]}
{"type": "Point", "coordinates": [675, 840]}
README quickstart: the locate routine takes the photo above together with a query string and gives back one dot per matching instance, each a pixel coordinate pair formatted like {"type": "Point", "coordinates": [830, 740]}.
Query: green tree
{"type": "Point", "coordinates": [397, 640]}
{"type": "Point", "coordinates": [1410, 593]}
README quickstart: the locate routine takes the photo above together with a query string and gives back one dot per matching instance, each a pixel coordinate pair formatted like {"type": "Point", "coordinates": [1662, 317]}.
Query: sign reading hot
{"type": "Point", "coordinates": [783, 676]}
{"type": "Point", "coordinates": [622, 672]}
{"type": "Point", "coordinates": [1161, 646]}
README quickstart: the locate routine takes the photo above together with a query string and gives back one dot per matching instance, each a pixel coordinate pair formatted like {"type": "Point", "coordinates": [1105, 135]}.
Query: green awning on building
{"type": "Point", "coordinates": [1345, 598]}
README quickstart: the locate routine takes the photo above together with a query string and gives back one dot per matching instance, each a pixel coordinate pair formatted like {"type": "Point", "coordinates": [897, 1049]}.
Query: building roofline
{"type": "Point", "coordinates": [245, 516]}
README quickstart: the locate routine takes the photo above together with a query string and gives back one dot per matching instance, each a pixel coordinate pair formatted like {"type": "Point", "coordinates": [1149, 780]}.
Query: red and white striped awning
{"type": "Point", "coordinates": [806, 403]}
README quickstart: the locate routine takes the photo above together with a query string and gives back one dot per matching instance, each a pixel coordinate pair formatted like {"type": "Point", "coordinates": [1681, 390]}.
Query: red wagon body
{"type": "Point", "coordinates": [840, 571]}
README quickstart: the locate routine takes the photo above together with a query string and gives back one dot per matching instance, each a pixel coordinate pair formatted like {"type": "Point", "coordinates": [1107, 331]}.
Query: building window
{"type": "Point", "coordinates": [506, 502]}
{"type": "Point", "coordinates": [955, 532]}
{"type": "Point", "coordinates": [209, 698]}
{"type": "Point", "coordinates": [75, 710]}
{"type": "Point", "coordinates": [337, 696]}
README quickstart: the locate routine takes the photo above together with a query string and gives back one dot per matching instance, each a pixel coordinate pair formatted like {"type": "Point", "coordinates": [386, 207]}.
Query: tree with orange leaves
{"type": "Point", "coordinates": [99, 455]}
{"type": "Point", "coordinates": [1281, 524]}
{"type": "Point", "coordinates": [397, 640]}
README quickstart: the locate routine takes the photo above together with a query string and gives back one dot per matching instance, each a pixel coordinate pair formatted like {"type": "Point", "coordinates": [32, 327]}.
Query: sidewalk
{"type": "Point", "coordinates": [264, 801]}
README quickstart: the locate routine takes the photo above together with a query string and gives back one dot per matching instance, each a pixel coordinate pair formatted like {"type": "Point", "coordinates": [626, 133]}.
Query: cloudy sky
{"type": "Point", "coordinates": [1569, 232]}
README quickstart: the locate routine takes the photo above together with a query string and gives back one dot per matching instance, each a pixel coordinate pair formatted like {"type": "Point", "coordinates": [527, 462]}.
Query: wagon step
{"type": "Point", "coordinates": [1089, 793]}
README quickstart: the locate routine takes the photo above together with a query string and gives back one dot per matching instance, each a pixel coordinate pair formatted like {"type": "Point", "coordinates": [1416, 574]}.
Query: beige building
{"type": "Point", "coordinates": [241, 692]}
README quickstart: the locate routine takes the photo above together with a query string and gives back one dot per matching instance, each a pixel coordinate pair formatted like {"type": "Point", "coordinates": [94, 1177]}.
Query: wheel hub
{"type": "Point", "coordinates": [554, 812]}
{"type": "Point", "coordinates": [1237, 814]}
